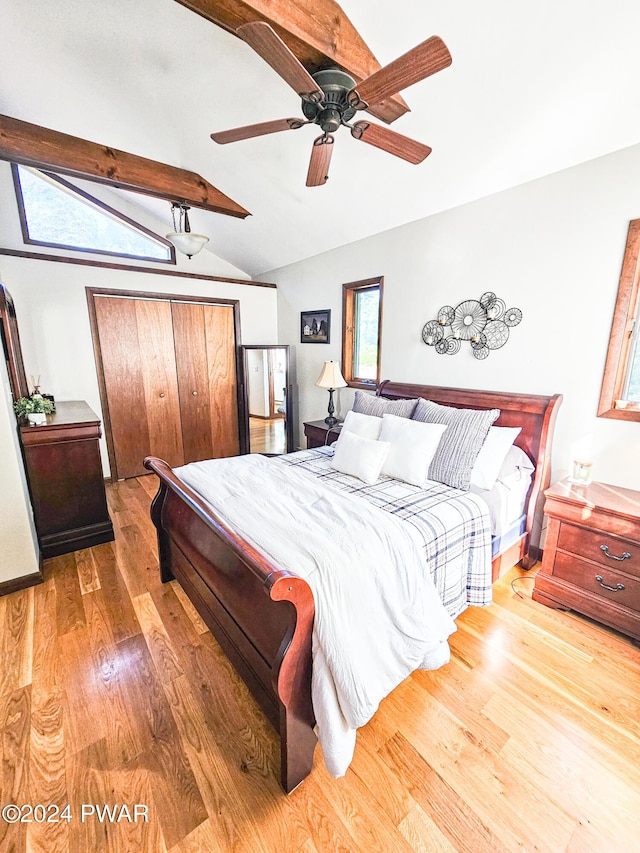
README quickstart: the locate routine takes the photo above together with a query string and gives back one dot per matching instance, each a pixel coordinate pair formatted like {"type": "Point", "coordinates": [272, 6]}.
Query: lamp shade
{"type": "Point", "coordinates": [187, 242]}
{"type": "Point", "coordinates": [330, 376]}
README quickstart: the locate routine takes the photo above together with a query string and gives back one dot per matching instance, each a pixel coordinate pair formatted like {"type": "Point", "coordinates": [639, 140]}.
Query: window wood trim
{"type": "Point", "coordinates": [348, 310]}
{"type": "Point", "coordinates": [625, 313]}
{"type": "Point", "coordinates": [96, 202]}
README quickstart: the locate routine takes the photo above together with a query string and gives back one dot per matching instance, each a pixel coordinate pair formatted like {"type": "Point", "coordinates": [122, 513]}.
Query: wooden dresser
{"type": "Point", "coordinates": [62, 460]}
{"type": "Point", "coordinates": [591, 560]}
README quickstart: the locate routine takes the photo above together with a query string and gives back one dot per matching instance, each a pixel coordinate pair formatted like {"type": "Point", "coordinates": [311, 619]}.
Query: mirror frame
{"type": "Point", "coordinates": [288, 419]}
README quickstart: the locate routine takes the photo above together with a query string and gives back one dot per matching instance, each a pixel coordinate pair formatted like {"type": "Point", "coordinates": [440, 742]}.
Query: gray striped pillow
{"type": "Point", "coordinates": [368, 404]}
{"type": "Point", "coordinates": [458, 450]}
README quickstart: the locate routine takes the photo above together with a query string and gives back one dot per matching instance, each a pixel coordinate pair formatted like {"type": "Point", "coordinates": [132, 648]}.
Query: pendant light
{"type": "Point", "coordinates": [182, 237]}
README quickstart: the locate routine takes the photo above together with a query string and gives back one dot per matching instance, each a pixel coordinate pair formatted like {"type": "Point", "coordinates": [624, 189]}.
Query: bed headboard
{"type": "Point", "coordinates": [535, 414]}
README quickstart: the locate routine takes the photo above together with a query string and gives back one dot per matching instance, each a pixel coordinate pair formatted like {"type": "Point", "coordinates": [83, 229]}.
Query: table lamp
{"type": "Point", "coordinates": [331, 378]}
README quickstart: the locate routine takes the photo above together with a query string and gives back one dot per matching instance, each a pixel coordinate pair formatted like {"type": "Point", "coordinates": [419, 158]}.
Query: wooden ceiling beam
{"type": "Point", "coordinates": [319, 34]}
{"type": "Point", "coordinates": [32, 145]}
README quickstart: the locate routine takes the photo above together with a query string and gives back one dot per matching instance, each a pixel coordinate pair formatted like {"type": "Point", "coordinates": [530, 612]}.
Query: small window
{"type": "Point", "coordinates": [620, 397]}
{"type": "Point", "coordinates": [361, 332]}
{"type": "Point", "coordinates": [53, 212]}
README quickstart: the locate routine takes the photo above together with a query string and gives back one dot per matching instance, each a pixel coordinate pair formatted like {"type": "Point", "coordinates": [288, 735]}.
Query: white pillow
{"type": "Point", "coordinates": [360, 457]}
{"type": "Point", "coordinates": [366, 426]}
{"type": "Point", "coordinates": [492, 454]}
{"type": "Point", "coordinates": [413, 446]}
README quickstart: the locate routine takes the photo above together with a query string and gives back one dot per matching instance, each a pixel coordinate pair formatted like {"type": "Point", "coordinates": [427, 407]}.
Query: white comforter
{"type": "Point", "coordinates": [378, 615]}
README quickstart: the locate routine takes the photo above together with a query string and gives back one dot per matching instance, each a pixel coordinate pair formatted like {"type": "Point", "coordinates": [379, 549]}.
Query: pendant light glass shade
{"type": "Point", "coordinates": [187, 242]}
{"type": "Point", "coordinates": [182, 237]}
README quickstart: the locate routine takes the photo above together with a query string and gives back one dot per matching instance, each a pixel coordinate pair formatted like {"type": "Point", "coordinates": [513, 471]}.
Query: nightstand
{"type": "Point", "coordinates": [591, 559]}
{"type": "Point", "coordinates": [319, 433]}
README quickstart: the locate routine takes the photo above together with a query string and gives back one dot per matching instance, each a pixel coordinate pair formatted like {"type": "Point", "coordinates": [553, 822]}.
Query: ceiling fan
{"type": "Point", "coordinates": [331, 98]}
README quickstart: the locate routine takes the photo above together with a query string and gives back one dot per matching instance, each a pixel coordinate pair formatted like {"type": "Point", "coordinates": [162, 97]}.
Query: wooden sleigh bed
{"type": "Point", "coordinates": [262, 616]}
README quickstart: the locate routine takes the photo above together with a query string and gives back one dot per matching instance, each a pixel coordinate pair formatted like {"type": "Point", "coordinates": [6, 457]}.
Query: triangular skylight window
{"type": "Point", "coordinates": [53, 212]}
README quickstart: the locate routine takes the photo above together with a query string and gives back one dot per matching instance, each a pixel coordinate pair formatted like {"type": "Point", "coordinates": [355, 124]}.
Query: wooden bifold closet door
{"type": "Point", "coordinates": [169, 378]}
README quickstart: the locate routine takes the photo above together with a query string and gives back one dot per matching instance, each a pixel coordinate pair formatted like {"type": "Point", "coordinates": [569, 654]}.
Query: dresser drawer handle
{"type": "Point", "coordinates": [618, 588]}
{"type": "Point", "coordinates": [625, 554]}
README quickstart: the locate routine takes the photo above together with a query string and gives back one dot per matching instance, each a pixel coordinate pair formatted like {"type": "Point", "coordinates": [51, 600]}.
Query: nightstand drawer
{"type": "Point", "coordinates": [622, 554]}
{"type": "Point", "coordinates": [585, 576]}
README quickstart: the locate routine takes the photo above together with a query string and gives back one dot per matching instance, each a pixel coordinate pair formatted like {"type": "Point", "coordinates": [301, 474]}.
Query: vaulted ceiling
{"type": "Point", "coordinates": [533, 88]}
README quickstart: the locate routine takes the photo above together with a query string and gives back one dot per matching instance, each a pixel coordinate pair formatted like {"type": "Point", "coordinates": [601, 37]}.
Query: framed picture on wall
{"type": "Point", "coordinates": [315, 327]}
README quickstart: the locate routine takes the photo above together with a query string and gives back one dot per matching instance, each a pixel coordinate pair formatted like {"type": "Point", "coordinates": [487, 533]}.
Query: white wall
{"type": "Point", "coordinates": [51, 306]}
{"type": "Point", "coordinates": [258, 381]}
{"type": "Point", "coordinates": [19, 551]}
{"type": "Point", "coordinates": [552, 247]}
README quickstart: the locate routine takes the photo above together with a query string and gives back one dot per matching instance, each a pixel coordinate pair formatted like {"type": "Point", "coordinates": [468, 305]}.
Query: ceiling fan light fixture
{"type": "Point", "coordinates": [182, 237]}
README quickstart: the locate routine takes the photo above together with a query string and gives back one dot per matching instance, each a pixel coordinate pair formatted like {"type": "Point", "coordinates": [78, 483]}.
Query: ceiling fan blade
{"type": "Point", "coordinates": [422, 61]}
{"type": "Point", "coordinates": [390, 141]}
{"type": "Point", "coordinates": [251, 130]}
{"type": "Point", "coordinates": [268, 44]}
{"type": "Point", "coordinates": [321, 152]}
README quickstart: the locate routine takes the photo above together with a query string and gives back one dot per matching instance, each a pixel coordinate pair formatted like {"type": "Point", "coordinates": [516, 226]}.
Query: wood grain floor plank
{"type": "Point", "coordinates": [489, 786]}
{"type": "Point", "coordinates": [550, 679]}
{"type": "Point", "coordinates": [123, 741]}
{"type": "Point", "coordinates": [369, 826]}
{"type": "Point", "coordinates": [84, 722]}
{"type": "Point", "coordinates": [203, 839]}
{"type": "Point", "coordinates": [464, 693]}
{"type": "Point", "coordinates": [192, 613]}
{"type": "Point", "coordinates": [87, 573]}
{"type": "Point", "coordinates": [47, 776]}
{"type": "Point", "coordinates": [98, 792]}
{"type": "Point", "coordinates": [422, 834]}
{"type": "Point", "coordinates": [533, 749]}
{"type": "Point", "coordinates": [449, 811]}
{"type": "Point", "coordinates": [163, 654]}
{"type": "Point", "coordinates": [69, 610]}
{"type": "Point", "coordinates": [115, 593]}
{"type": "Point", "coordinates": [16, 641]}
{"type": "Point", "coordinates": [172, 778]}
{"type": "Point", "coordinates": [137, 560]}
{"type": "Point", "coordinates": [388, 791]}
{"type": "Point", "coordinates": [149, 483]}
{"type": "Point", "coordinates": [230, 824]}
{"type": "Point", "coordinates": [242, 746]}
{"type": "Point", "coordinates": [14, 769]}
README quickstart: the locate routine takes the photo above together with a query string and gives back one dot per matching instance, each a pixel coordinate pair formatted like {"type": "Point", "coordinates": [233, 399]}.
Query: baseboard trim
{"type": "Point", "coordinates": [16, 584]}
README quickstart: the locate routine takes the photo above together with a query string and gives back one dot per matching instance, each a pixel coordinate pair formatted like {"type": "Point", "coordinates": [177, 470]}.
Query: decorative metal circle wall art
{"type": "Point", "coordinates": [484, 322]}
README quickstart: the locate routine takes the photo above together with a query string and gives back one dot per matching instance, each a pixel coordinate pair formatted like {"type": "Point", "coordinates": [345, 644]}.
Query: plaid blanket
{"type": "Point", "coordinates": [455, 526]}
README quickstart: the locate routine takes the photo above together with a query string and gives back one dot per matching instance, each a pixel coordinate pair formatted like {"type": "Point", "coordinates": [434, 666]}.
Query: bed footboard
{"type": "Point", "coordinates": [261, 616]}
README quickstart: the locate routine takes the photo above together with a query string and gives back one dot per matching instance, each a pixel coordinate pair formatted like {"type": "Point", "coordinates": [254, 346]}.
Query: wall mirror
{"type": "Point", "coordinates": [268, 403]}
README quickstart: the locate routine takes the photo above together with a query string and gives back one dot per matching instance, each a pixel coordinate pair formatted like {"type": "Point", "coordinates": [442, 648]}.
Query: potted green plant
{"type": "Point", "coordinates": [33, 409]}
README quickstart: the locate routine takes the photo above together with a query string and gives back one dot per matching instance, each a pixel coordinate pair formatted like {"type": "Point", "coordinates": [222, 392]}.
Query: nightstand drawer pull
{"type": "Point", "coordinates": [625, 554]}
{"type": "Point", "coordinates": [618, 588]}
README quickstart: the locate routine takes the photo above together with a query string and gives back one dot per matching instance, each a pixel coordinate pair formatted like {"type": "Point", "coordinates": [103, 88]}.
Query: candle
{"type": "Point", "coordinates": [581, 472]}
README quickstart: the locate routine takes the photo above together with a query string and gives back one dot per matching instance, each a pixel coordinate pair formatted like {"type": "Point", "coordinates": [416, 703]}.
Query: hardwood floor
{"type": "Point", "coordinates": [113, 692]}
{"type": "Point", "coordinates": [267, 436]}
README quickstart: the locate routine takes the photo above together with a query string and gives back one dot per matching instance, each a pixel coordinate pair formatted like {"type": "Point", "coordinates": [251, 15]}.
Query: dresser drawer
{"type": "Point", "coordinates": [583, 575]}
{"type": "Point", "coordinates": [589, 543]}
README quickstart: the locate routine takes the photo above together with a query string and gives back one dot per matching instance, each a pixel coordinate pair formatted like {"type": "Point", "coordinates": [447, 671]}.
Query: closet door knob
{"type": "Point", "coordinates": [194, 393]}
{"type": "Point", "coordinates": [162, 394]}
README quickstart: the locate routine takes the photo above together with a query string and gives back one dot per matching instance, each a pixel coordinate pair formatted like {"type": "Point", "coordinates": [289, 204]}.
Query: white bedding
{"type": "Point", "coordinates": [378, 615]}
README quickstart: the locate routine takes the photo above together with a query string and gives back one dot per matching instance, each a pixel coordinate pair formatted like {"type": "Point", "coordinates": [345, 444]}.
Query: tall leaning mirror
{"type": "Point", "coordinates": [267, 389]}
